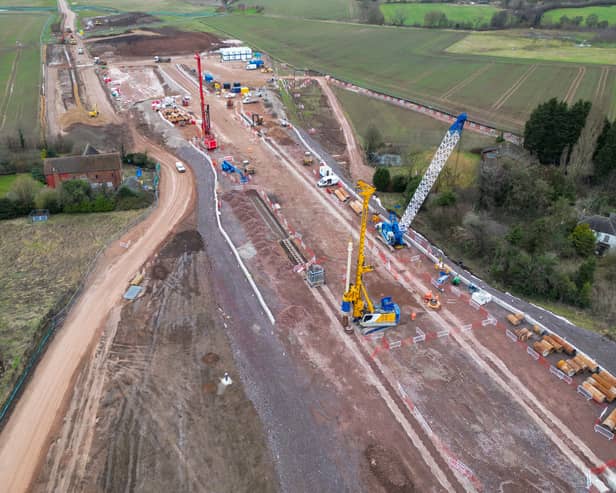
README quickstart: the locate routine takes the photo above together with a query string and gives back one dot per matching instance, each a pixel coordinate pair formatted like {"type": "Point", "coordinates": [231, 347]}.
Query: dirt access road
{"type": "Point", "coordinates": [24, 440]}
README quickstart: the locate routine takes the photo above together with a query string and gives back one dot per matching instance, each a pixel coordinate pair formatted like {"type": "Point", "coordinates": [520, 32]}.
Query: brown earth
{"type": "Point", "coordinates": [121, 20]}
{"type": "Point", "coordinates": [160, 424]}
{"type": "Point", "coordinates": [166, 41]}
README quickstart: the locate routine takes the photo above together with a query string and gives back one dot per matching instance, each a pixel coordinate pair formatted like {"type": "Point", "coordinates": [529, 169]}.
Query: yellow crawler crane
{"type": "Point", "coordinates": [355, 300]}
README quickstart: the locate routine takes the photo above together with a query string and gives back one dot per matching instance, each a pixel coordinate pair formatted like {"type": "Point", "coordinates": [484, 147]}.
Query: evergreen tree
{"type": "Point", "coordinates": [605, 161]}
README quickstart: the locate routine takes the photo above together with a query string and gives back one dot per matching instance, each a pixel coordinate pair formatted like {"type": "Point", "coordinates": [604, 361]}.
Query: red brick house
{"type": "Point", "coordinates": [98, 169]}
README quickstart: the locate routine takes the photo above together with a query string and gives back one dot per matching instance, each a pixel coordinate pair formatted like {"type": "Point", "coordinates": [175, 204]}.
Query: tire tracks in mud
{"type": "Point", "coordinates": [575, 84]}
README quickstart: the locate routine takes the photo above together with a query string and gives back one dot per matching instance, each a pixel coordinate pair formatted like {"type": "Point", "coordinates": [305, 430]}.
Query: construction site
{"type": "Point", "coordinates": [290, 334]}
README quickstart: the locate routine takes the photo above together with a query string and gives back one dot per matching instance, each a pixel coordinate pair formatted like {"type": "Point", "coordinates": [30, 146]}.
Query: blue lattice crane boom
{"type": "Point", "coordinates": [393, 231]}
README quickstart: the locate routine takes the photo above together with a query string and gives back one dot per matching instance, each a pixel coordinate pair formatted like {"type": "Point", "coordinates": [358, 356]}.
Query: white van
{"type": "Point", "coordinates": [180, 167]}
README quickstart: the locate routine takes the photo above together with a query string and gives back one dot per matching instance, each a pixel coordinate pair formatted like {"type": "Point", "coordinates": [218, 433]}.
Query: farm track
{"type": "Point", "coordinates": [516, 85]}
{"type": "Point", "coordinates": [465, 82]}
{"type": "Point", "coordinates": [10, 86]}
{"type": "Point", "coordinates": [600, 90]}
{"type": "Point", "coordinates": [575, 84]}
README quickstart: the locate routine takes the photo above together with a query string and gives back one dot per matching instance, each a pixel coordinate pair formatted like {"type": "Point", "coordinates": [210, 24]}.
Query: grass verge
{"type": "Point", "coordinates": [40, 266]}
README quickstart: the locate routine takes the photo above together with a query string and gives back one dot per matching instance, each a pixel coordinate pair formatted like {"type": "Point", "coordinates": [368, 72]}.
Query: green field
{"type": "Point", "coordinates": [604, 13]}
{"type": "Point", "coordinates": [5, 184]}
{"type": "Point", "coordinates": [414, 63]}
{"type": "Point", "coordinates": [414, 13]}
{"type": "Point", "coordinates": [515, 46]}
{"type": "Point", "coordinates": [20, 73]}
{"type": "Point", "coordinates": [399, 126]}
{"type": "Point", "coordinates": [311, 9]}
{"type": "Point", "coordinates": [40, 265]}
{"type": "Point", "coordinates": [28, 3]}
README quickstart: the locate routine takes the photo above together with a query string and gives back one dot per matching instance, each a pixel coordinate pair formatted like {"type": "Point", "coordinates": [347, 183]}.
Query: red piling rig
{"type": "Point", "coordinates": [206, 128]}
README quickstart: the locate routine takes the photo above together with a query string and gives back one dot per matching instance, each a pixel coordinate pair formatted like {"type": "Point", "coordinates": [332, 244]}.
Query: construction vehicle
{"type": "Point", "coordinates": [257, 120]}
{"type": "Point", "coordinates": [392, 231]}
{"type": "Point", "coordinates": [206, 126]}
{"type": "Point", "coordinates": [432, 301]}
{"type": "Point", "coordinates": [308, 159]}
{"type": "Point", "coordinates": [249, 169]}
{"type": "Point", "coordinates": [94, 112]}
{"type": "Point", "coordinates": [355, 301]}
{"type": "Point", "coordinates": [97, 22]}
{"type": "Point", "coordinates": [162, 59]}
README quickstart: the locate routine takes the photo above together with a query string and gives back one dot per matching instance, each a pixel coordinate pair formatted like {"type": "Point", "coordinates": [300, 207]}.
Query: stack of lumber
{"type": "Point", "coordinates": [565, 346]}
{"type": "Point", "coordinates": [596, 394]}
{"type": "Point", "coordinates": [554, 343]}
{"type": "Point", "coordinates": [543, 347]}
{"type": "Point", "coordinates": [357, 206]}
{"type": "Point", "coordinates": [342, 195]}
{"type": "Point", "coordinates": [523, 334]}
{"type": "Point", "coordinates": [516, 319]}
{"type": "Point", "coordinates": [610, 421]}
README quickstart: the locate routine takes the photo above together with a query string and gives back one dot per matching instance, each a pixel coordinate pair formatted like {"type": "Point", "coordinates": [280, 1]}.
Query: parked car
{"type": "Point", "coordinates": [328, 181]}
{"type": "Point", "coordinates": [180, 167]}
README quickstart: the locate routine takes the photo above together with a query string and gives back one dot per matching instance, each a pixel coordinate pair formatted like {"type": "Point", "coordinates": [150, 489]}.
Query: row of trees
{"type": "Point", "coordinates": [73, 196]}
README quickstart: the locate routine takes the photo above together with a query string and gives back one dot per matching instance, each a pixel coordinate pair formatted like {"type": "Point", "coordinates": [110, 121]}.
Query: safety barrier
{"type": "Point", "coordinates": [584, 393]}
{"type": "Point", "coordinates": [604, 432]}
{"type": "Point", "coordinates": [562, 376]}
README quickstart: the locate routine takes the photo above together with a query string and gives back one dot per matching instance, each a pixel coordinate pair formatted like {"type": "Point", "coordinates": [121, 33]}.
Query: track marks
{"type": "Point", "coordinates": [516, 85]}
{"type": "Point", "coordinates": [8, 91]}
{"type": "Point", "coordinates": [467, 81]}
{"type": "Point", "coordinates": [575, 84]}
{"type": "Point", "coordinates": [601, 85]}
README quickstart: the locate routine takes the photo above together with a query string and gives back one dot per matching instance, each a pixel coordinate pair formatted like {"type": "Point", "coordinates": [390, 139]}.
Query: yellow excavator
{"type": "Point", "coordinates": [93, 113]}
{"type": "Point", "coordinates": [356, 302]}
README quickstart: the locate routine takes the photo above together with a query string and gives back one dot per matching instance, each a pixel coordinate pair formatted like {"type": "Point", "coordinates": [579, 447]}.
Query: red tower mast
{"type": "Point", "coordinates": [208, 138]}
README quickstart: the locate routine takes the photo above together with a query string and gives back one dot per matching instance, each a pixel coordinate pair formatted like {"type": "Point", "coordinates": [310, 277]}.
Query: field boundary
{"type": "Point", "coordinates": [52, 323]}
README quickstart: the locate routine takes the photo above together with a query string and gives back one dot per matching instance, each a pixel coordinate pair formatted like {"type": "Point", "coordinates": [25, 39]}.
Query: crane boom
{"type": "Point", "coordinates": [448, 144]}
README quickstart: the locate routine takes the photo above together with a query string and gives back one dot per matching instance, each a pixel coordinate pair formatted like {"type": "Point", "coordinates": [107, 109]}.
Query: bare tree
{"type": "Point", "coordinates": [580, 162]}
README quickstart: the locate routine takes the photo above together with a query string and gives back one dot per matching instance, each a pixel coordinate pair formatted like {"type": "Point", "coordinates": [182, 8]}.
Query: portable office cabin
{"type": "Point", "coordinates": [235, 53]}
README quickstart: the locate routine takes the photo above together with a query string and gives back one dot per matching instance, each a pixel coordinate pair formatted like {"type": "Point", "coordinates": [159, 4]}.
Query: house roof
{"type": "Point", "coordinates": [83, 164]}
{"type": "Point", "coordinates": [602, 224]}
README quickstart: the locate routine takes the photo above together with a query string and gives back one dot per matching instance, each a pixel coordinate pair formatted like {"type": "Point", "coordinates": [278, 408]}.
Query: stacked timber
{"type": "Point", "coordinates": [586, 363]}
{"type": "Point", "coordinates": [342, 195]}
{"type": "Point", "coordinates": [357, 206]}
{"type": "Point", "coordinates": [566, 347]}
{"type": "Point", "coordinates": [608, 392]}
{"type": "Point", "coordinates": [610, 421]}
{"type": "Point", "coordinates": [515, 319]}
{"type": "Point", "coordinates": [523, 334]}
{"type": "Point", "coordinates": [558, 347]}
{"type": "Point", "coordinates": [543, 347]}
{"type": "Point", "coordinates": [596, 394]}
{"type": "Point", "coordinates": [567, 368]}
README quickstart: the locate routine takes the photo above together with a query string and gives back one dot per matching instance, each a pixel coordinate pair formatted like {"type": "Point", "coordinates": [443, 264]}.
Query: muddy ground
{"type": "Point", "coordinates": [160, 425]}
{"type": "Point", "coordinates": [316, 116]}
{"type": "Point", "coordinates": [122, 20]}
{"type": "Point", "coordinates": [109, 138]}
{"type": "Point", "coordinates": [163, 41]}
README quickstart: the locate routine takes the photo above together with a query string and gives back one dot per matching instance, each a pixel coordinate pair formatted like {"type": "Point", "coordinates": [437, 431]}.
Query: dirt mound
{"type": "Point", "coordinates": [165, 41]}
{"type": "Point", "coordinates": [185, 242]}
{"type": "Point", "coordinates": [388, 469]}
{"type": "Point", "coordinates": [107, 138]}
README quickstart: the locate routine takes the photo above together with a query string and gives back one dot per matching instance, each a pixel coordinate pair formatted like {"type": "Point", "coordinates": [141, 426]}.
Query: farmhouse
{"type": "Point", "coordinates": [604, 229]}
{"type": "Point", "coordinates": [98, 169]}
